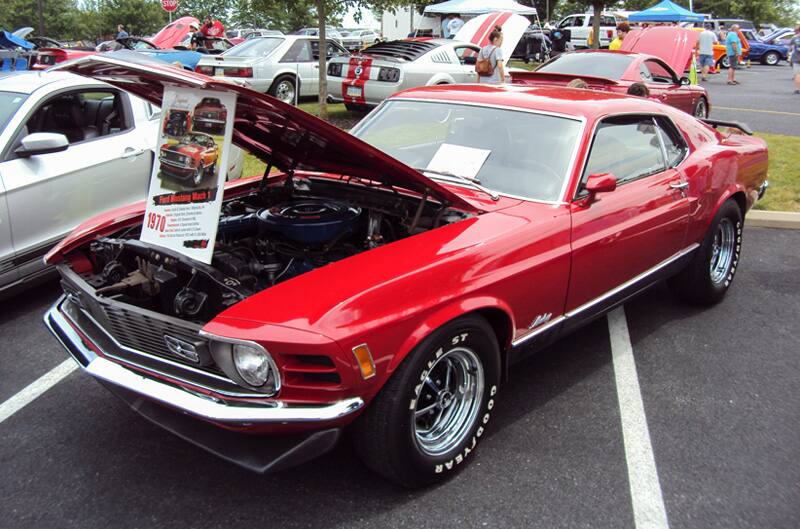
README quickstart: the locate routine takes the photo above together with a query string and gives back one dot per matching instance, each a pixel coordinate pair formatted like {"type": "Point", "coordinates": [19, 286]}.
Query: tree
{"type": "Point", "coordinates": [140, 17]}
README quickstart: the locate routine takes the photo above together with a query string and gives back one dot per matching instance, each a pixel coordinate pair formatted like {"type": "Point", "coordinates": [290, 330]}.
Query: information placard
{"type": "Point", "coordinates": [185, 196]}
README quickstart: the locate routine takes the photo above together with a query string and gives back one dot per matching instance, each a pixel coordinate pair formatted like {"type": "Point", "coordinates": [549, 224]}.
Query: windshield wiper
{"type": "Point", "coordinates": [474, 182]}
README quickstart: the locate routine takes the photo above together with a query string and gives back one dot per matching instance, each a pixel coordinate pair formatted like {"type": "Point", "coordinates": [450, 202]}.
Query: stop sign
{"type": "Point", "coordinates": [169, 5]}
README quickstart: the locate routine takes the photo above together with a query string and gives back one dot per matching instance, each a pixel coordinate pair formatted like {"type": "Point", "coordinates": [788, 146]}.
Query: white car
{"type": "Point", "coordinates": [70, 148]}
{"type": "Point", "coordinates": [580, 24]}
{"type": "Point", "coordinates": [358, 39]}
{"type": "Point", "coordinates": [273, 65]}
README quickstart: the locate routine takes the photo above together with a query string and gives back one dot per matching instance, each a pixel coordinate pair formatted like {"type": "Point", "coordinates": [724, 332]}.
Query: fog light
{"type": "Point", "coordinates": [252, 363]}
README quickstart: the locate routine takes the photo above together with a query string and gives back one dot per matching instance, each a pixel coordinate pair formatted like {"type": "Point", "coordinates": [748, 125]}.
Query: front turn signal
{"type": "Point", "coordinates": [365, 362]}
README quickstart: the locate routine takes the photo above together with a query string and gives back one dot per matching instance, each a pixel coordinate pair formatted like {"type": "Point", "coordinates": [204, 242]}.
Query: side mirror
{"type": "Point", "coordinates": [685, 81]}
{"type": "Point", "coordinates": [597, 183]}
{"type": "Point", "coordinates": [471, 60]}
{"type": "Point", "coordinates": [42, 143]}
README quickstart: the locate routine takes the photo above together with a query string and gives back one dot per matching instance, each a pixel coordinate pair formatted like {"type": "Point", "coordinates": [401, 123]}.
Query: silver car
{"type": "Point", "coordinates": [273, 65]}
{"type": "Point", "coordinates": [70, 148]}
{"type": "Point", "coordinates": [384, 68]}
{"type": "Point", "coordinates": [358, 39]}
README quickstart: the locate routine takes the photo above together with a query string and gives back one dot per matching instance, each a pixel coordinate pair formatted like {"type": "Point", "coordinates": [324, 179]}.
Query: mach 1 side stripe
{"type": "Point", "coordinates": [358, 71]}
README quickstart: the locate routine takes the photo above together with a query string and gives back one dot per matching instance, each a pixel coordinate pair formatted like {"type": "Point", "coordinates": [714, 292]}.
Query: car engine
{"type": "Point", "coordinates": [262, 240]}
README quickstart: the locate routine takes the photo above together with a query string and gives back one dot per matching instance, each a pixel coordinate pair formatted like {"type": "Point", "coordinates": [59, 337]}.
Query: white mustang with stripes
{"type": "Point", "coordinates": [379, 71]}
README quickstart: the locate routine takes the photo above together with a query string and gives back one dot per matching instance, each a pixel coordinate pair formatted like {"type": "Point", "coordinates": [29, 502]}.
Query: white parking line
{"type": "Point", "coordinates": [648, 503]}
{"type": "Point", "coordinates": [31, 392]}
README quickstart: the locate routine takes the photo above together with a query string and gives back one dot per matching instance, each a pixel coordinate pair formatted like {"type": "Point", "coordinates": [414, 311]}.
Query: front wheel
{"type": "Point", "coordinates": [700, 108]}
{"type": "Point", "coordinates": [197, 177]}
{"type": "Point", "coordinates": [724, 62]}
{"type": "Point", "coordinates": [429, 417]}
{"type": "Point", "coordinates": [771, 58]}
{"type": "Point", "coordinates": [706, 278]}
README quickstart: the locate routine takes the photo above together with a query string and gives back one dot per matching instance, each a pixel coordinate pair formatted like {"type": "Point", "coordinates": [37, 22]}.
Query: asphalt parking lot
{"type": "Point", "coordinates": [720, 388]}
{"type": "Point", "coordinates": [765, 99]}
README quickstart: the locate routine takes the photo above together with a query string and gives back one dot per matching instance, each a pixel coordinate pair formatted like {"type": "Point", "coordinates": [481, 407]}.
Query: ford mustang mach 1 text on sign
{"type": "Point", "coordinates": [385, 281]}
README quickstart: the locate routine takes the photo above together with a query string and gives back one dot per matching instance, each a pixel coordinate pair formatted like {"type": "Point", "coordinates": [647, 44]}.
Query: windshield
{"type": "Point", "coordinates": [9, 103]}
{"type": "Point", "coordinates": [606, 65]}
{"type": "Point", "coordinates": [511, 152]}
{"type": "Point", "coordinates": [260, 47]}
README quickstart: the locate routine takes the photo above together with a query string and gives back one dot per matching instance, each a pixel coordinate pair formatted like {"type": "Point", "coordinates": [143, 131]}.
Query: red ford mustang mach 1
{"type": "Point", "coordinates": [385, 280]}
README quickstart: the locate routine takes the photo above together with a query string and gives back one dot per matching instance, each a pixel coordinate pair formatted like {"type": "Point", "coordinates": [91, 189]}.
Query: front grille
{"type": "Point", "coordinates": [173, 156]}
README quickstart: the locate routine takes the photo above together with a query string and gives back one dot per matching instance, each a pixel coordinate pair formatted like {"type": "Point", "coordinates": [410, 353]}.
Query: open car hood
{"type": "Point", "coordinates": [279, 134]}
{"type": "Point", "coordinates": [173, 33]}
{"type": "Point", "coordinates": [478, 29]}
{"type": "Point", "coordinates": [671, 44]}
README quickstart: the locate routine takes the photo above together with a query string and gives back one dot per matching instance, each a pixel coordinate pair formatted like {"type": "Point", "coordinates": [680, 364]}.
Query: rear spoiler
{"type": "Point", "coordinates": [729, 124]}
{"type": "Point", "coordinates": [530, 78]}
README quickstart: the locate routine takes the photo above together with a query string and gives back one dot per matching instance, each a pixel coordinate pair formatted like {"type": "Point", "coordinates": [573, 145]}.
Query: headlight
{"type": "Point", "coordinates": [253, 364]}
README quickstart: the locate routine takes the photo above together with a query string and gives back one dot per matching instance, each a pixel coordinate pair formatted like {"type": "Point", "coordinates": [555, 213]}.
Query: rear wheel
{"type": "Point", "coordinates": [724, 62]}
{"type": "Point", "coordinates": [428, 418]}
{"type": "Point", "coordinates": [284, 88]}
{"type": "Point", "coordinates": [771, 58]}
{"type": "Point", "coordinates": [706, 278]}
{"type": "Point", "coordinates": [700, 108]}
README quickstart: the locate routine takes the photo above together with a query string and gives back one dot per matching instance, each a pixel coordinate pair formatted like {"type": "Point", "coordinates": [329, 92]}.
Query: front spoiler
{"type": "Point", "coordinates": [188, 414]}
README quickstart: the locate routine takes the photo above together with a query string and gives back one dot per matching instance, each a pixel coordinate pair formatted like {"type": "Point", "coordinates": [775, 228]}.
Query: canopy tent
{"type": "Point", "coordinates": [478, 7]}
{"type": "Point", "coordinates": [665, 11]}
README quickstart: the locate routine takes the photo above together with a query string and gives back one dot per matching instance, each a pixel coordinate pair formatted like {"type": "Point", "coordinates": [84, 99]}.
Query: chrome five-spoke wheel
{"type": "Point", "coordinates": [449, 401]}
{"type": "Point", "coordinates": [722, 250]}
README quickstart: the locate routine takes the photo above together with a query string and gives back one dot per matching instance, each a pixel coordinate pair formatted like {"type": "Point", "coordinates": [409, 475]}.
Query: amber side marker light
{"type": "Point", "coordinates": [364, 359]}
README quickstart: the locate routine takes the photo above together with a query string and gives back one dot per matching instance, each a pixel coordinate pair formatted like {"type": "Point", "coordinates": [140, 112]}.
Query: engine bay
{"type": "Point", "coordinates": [263, 238]}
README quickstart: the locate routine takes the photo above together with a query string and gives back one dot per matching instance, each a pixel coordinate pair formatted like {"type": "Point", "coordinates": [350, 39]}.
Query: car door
{"type": "Point", "coordinates": [106, 165]}
{"type": "Point", "coordinates": [8, 272]}
{"type": "Point", "coordinates": [664, 84]}
{"type": "Point", "coordinates": [639, 226]}
{"type": "Point", "coordinates": [300, 58]}
{"type": "Point", "coordinates": [466, 56]}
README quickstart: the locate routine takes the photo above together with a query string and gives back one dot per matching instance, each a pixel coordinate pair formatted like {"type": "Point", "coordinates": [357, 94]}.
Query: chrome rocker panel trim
{"type": "Point", "coordinates": [201, 406]}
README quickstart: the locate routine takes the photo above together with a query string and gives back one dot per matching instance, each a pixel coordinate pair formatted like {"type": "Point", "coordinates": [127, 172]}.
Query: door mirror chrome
{"type": "Point", "coordinates": [42, 143]}
{"type": "Point", "coordinates": [685, 81]}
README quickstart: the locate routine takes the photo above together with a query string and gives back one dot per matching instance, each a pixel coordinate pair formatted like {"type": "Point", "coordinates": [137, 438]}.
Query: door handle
{"type": "Point", "coordinates": [679, 185]}
{"type": "Point", "coordinates": [130, 152]}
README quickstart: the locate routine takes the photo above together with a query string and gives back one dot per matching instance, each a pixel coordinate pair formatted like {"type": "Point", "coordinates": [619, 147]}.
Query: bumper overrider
{"type": "Point", "coordinates": [208, 421]}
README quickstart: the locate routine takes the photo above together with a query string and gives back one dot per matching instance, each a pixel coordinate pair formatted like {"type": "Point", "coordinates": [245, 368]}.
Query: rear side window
{"type": "Point", "coordinates": [300, 51]}
{"type": "Point", "coordinates": [659, 73]}
{"type": "Point", "coordinates": [628, 147]}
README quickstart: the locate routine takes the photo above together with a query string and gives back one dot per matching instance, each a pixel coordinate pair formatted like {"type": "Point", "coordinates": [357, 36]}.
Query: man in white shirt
{"type": "Point", "coordinates": [705, 47]}
{"type": "Point", "coordinates": [455, 24]}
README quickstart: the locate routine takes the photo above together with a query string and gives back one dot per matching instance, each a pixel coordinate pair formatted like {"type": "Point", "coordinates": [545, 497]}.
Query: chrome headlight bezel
{"type": "Point", "coordinates": [222, 350]}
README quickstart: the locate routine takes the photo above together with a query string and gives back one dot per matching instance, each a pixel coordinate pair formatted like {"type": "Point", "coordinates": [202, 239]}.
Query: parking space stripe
{"type": "Point", "coordinates": [646, 497]}
{"type": "Point", "coordinates": [777, 112]}
{"type": "Point", "coordinates": [31, 392]}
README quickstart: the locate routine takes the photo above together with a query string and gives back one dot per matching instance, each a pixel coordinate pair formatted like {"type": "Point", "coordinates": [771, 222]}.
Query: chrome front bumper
{"type": "Point", "coordinates": [234, 412]}
{"type": "Point", "coordinates": [763, 189]}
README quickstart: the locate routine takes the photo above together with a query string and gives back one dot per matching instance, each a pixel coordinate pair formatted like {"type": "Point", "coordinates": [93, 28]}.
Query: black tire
{"type": "Point", "coordinates": [700, 109]}
{"type": "Point", "coordinates": [724, 62]}
{"type": "Point", "coordinates": [771, 58]}
{"type": "Point", "coordinates": [699, 283]}
{"type": "Point", "coordinates": [284, 88]}
{"type": "Point", "coordinates": [388, 437]}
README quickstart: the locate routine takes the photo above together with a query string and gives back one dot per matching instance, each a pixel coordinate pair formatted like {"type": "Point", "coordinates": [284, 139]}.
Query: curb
{"type": "Point", "coordinates": [772, 219]}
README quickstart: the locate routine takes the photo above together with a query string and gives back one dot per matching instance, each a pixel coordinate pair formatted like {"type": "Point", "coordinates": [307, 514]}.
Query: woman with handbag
{"type": "Point", "coordinates": [489, 65]}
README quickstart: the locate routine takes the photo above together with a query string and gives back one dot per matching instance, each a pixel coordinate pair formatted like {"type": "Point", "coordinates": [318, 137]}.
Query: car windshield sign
{"type": "Point", "coordinates": [515, 153]}
{"type": "Point", "coordinates": [9, 103]}
{"type": "Point", "coordinates": [260, 47]}
{"type": "Point", "coordinates": [605, 65]}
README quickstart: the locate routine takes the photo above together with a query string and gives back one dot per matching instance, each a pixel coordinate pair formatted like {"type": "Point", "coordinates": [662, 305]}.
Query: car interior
{"type": "Point", "coordinates": [79, 116]}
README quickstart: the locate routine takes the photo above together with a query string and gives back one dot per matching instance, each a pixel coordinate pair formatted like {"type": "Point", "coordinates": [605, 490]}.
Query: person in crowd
{"type": "Point", "coordinates": [578, 83]}
{"type": "Point", "coordinates": [494, 55]}
{"type": "Point", "coordinates": [212, 28]}
{"type": "Point", "coordinates": [197, 35]}
{"type": "Point", "coordinates": [445, 25]}
{"type": "Point", "coordinates": [638, 89]}
{"type": "Point", "coordinates": [622, 29]}
{"type": "Point", "coordinates": [733, 47]}
{"type": "Point", "coordinates": [455, 24]}
{"type": "Point", "coordinates": [705, 48]}
{"type": "Point", "coordinates": [722, 33]}
{"type": "Point", "coordinates": [794, 48]}
{"type": "Point", "coordinates": [121, 33]}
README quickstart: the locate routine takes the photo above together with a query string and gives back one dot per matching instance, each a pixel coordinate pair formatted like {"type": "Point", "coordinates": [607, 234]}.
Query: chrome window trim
{"type": "Point", "coordinates": [570, 168]}
{"type": "Point", "coordinates": [611, 293]}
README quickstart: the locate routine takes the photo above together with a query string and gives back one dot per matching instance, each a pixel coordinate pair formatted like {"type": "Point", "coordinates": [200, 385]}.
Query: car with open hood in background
{"type": "Point", "coordinates": [284, 66]}
{"type": "Point", "coordinates": [365, 79]}
{"type": "Point", "coordinates": [386, 280]}
{"type": "Point", "coordinates": [656, 57]}
{"type": "Point", "coordinates": [762, 50]}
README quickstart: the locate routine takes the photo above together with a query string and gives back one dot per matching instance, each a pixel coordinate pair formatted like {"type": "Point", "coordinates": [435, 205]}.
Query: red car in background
{"type": "Point", "coordinates": [384, 280]}
{"type": "Point", "coordinates": [656, 57]}
{"type": "Point", "coordinates": [168, 37]}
